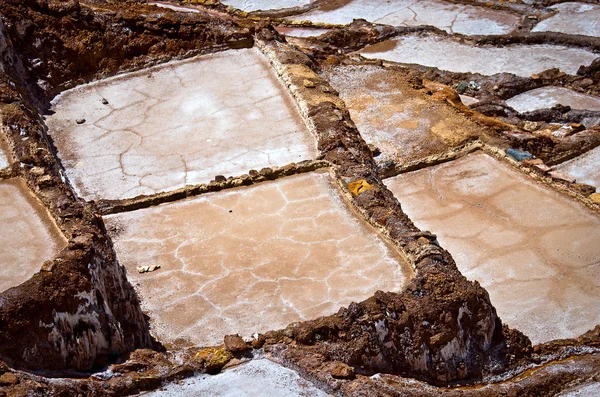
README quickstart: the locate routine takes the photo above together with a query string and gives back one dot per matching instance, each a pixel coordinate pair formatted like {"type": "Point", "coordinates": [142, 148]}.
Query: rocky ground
{"type": "Point", "coordinates": [386, 94]}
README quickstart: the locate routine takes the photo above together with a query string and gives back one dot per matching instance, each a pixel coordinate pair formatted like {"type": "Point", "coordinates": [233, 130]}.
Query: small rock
{"type": "Point", "coordinates": [358, 187]}
{"type": "Point", "coordinates": [8, 379]}
{"type": "Point", "coordinates": [563, 131]}
{"type": "Point", "coordinates": [235, 343]}
{"type": "Point", "coordinates": [586, 83]}
{"type": "Point", "coordinates": [309, 84]}
{"type": "Point", "coordinates": [3, 367]}
{"type": "Point", "coordinates": [341, 371]}
{"type": "Point", "coordinates": [147, 269]}
{"type": "Point", "coordinates": [80, 121]}
{"type": "Point", "coordinates": [530, 126]}
{"type": "Point", "coordinates": [595, 198]}
{"type": "Point", "coordinates": [585, 189]}
{"type": "Point", "coordinates": [535, 76]}
{"type": "Point", "coordinates": [220, 178]}
{"type": "Point", "coordinates": [562, 176]}
{"type": "Point", "coordinates": [462, 87]}
{"type": "Point", "coordinates": [104, 101]}
{"type": "Point", "coordinates": [519, 155]}
{"type": "Point", "coordinates": [474, 86]}
{"type": "Point", "coordinates": [37, 171]}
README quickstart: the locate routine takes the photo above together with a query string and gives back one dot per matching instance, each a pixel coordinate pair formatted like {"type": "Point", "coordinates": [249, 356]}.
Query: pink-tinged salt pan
{"type": "Point", "coordinates": [28, 235]}
{"type": "Point", "coordinates": [453, 18]}
{"type": "Point", "coordinates": [258, 378]}
{"type": "Point", "coordinates": [547, 97]}
{"type": "Point", "coordinates": [447, 54]}
{"type": "Point", "coordinates": [534, 250]}
{"type": "Point", "coordinates": [585, 168]}
{"type": "Point", "coordinates": [252, 259]}
{"type": "Point", "coordinates": [572, 18]}
{"type": "Point", "coordinates": [177, 124]}
{"type": "Point", "coordinates": [255, 5]}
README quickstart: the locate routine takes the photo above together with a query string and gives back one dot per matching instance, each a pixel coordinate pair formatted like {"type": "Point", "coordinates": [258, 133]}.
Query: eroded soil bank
{"type": "Point", "coordinates": [266, 247]}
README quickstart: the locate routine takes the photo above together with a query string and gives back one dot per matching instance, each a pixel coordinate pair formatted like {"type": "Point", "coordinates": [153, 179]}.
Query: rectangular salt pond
{"type": "Point", "coordinates": [535, 251]}
{"type": "Point", "coordinates": [178, 124]}
{"type": "Point", "coordinates": [252, 259]}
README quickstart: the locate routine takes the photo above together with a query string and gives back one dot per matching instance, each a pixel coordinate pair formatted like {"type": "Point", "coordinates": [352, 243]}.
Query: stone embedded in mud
{"type": "Point", "coordinates": [255, 5]}
{"type": "Point", "coordinates": [218, 114]}
{"type": "Point", "coordinates": [28, 235]}
{"type": "Point", "coordinates": [534, 251]}
{"type": "Point", "coordinates": [451, 17]}
{"type": "Point", "coordinates": [235, 343]}
{"type": "Point", "coordinates": [258, 378]}
{"type": "Point", "coordinates": [175, 8]}
{"type": "Point", "coordinates": [448, 54]}
{"type": "Point", "coordinates": [547, 97]}
{"type": "Point", "coordinates": [252, 259]}
{"type": "Point", "coordinates": [519, 155]}
{"type": "Point", "coordinates": [572, 18]}
{"type": "Point", "coordinates": [584, 168]}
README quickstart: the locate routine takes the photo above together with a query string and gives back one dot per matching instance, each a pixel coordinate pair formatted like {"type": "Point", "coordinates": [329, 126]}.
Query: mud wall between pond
{"type": "Point", "coordinates": [79, 312]}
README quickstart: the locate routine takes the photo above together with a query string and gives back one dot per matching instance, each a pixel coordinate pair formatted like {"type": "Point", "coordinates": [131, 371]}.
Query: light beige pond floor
{"type": "Point", "coordinates": [535, 251]}
{"type": "Point", "coordinates": [28, 235]}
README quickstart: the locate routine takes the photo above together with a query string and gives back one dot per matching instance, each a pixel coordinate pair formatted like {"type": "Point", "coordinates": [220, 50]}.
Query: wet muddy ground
{"type": "Point", "coordinates": [329, 197]}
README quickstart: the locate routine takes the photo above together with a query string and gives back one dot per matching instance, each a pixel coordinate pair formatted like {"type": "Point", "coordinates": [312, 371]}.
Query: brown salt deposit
{"type": "Point", "coordinates": [403, 123]}
{"type": "Point", "coordinates": [28, 236]}
{"type": "Point", "coordinates": [252, 259]}
{"type": "Point", "coordinates": [535, 251]}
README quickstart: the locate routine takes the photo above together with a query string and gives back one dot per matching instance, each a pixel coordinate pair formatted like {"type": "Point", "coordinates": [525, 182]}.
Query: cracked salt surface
{"type": "Point", "coordinates": [258, 378]}
{"type": "Point", "coordinates": [584, 168]}
{"type": "Point", "coordinates": [535, 251]}
{"type": "Point", "coordinates": [547, 97]}
{"type": "Point", "coordinates": [572, 18]}
{"type": "Point", "coordinates": [453, 18]}
{"type": "Point", "coordinates": [28, 236]}
{"type": "Point", "coordinates": [255, 5]}
{"type": "Point", "coordinates": [177, 124]}
{"type": "Point", "coordinates": [447, 54]}
{"type": "Point", "coordinates": [252, 259]}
